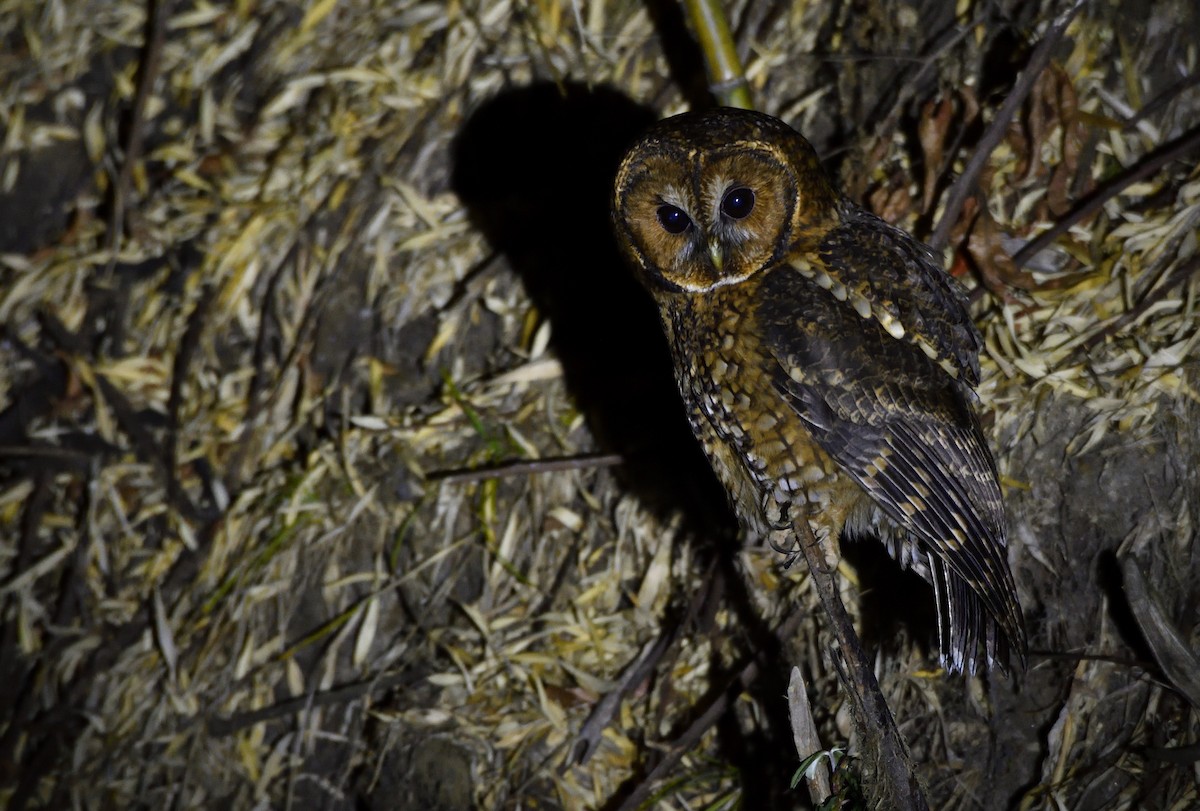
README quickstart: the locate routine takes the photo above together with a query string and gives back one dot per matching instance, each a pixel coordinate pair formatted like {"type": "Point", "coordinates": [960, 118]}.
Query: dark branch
{"type": "Point", "coordinates": [964, 187]}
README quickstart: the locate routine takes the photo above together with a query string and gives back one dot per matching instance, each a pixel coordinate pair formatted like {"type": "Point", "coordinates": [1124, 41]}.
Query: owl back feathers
{"type": "Point", "coordinates": [902, 427]}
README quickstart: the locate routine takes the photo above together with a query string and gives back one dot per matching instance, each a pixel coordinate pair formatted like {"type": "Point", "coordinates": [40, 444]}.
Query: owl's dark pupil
{"type": "Point", "coordinates": [673, 219]}
{"type": "Point", "coordinates": [738, 203]}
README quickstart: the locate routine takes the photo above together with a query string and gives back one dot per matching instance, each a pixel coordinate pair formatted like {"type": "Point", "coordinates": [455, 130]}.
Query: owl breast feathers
{"type": "Point", "coordinates": [828, 364]}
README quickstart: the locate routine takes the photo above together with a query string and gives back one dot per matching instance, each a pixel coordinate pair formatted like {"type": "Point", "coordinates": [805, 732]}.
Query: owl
{"type": "Point", "coordinates": [826, 361]}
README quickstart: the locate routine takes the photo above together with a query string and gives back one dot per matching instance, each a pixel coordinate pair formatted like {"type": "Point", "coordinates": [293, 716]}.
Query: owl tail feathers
{"type": "Point", "coordinates": [967, 628]}
{"type": "Point", "coordinates": [978, 623]}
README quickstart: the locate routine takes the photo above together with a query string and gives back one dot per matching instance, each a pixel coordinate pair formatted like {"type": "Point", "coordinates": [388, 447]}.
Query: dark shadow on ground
{"type": "Point", "coordinates": [893, 602]}
{"type": "Point", "coordinates": [535, 167]}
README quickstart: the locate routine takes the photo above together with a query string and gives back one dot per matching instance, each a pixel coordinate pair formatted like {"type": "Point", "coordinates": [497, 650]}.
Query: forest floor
{"type": "Point", "coordinates": [341, 465]}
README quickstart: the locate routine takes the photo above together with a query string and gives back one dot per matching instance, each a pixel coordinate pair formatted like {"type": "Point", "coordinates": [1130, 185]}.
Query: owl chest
{"type": "Point", "coordinates": [757, 444]}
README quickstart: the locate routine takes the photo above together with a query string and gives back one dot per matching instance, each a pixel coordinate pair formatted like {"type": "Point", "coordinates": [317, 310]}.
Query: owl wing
{"type": "Point", "coordinates": [891, 278]}
{"type": "Point", "coordinates": [895, 420]}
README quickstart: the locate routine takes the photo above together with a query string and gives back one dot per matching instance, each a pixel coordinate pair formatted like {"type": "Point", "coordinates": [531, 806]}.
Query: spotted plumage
{"type": "Point", "coordinates": [827, 363]}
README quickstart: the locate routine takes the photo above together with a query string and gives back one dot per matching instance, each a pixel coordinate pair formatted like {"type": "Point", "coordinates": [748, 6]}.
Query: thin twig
{"type": "Point", "coordinates": [1146, 167]}
{"type": "Point", "coordinates": [584, 461]}
{"type": "Point", "coordinates": [1178, 276]}
{"type": "Point", "coordinates": [705, 721]}
{"type": "Point", "coordinates": [964, 187]}
{"type": "Point", "coordinates": [188, 345]}
{"type": "Point", "coordinates": [1162, 99]}
{"type": "Point", "coordinates": [158, 11]}
{"type": "Point", "coordinates": [895, 778]}
{"type": "Point", "coordinates": [129, 420]}
{"type": "Point", "coordinates": [219, 727]}
{"type": "Point", "coordinates": [588, 740]}
{"type": "Point", "coordinates": [70, 455]}
{"type": "Point", "coordinates": [909, 84]}
{"type": "Point", "coordinates": [1080, 656]}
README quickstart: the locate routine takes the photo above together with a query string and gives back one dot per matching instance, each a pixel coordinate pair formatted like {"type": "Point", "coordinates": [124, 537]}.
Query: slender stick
{"type": "Point", "coordinates": [528, 466]}
{"type": "Point", "coordinates": [895, 779]}
{"type": "Point", "coordinates": [910, 83]}
{"type": "Point", "coordinates": [1089, 205]}
{"type": "Point", "coordinates": [705, 721]}
{"type": "Point", "coordinates": [1175, 279]}
{"type": "Point", "coordinates": [964, 187]}
{"type": "Point", "coordinates": [157, 12]}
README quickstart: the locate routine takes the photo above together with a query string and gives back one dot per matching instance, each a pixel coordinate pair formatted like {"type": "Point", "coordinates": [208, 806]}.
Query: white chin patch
{"type": "Point", "coordinates": [724, 281]}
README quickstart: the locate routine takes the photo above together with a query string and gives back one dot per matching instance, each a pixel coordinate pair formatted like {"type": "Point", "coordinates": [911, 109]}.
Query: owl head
{"type": "Point", "coordinates": [709, 199]}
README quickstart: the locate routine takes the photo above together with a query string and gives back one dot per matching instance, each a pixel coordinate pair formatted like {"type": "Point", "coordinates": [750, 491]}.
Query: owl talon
{"type": "Point", "coordinates": [781, 522]}
{"type": "Point", "coordinates": [789, 552]}
{"type": "Point", "coordinates": [820, 543]}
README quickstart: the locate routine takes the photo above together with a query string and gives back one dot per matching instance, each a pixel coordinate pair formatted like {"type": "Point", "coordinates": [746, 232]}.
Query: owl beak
{"type": "Point", "coordinates": [715, 252]}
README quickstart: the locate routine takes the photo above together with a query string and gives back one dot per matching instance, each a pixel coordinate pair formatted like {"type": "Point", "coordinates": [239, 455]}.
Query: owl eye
{"type": "Point", "coordinates": [673, 219]}
{"type": "Point", "coordinates": [738, 203]}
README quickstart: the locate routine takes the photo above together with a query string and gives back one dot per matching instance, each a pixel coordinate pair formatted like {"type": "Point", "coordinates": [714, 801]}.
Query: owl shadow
{"type": "Point", "coordinates": [535, 167]}
{"type": "Point", "coordinates": [893, 600]}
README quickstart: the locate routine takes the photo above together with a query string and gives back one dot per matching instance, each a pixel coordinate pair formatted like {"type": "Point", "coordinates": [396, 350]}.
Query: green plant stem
{"type": "Point", "coordinates": [726, 77]}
